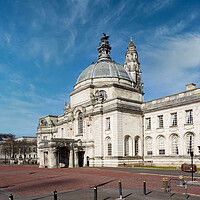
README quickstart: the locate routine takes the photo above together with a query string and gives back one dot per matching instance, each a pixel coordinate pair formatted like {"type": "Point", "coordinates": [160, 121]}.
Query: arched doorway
{"type": "Point", "coordinates": [64, 156]}
{"type": "Point", "coordinates": [80, 158]}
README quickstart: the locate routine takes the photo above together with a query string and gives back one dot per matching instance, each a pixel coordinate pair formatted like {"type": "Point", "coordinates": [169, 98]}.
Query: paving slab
{"type": "Point", "coordinates": [32, 183]}
{"type": "Point", "coordinates": [103, 194]}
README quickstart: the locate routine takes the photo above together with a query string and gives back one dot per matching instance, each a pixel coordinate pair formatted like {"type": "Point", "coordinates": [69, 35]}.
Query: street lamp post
{"type": "Point", "coordinates": [192, 155]}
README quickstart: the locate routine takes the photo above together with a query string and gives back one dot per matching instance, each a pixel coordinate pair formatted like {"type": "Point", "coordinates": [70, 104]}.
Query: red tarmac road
{"type": "Point", "coordinates": [30, 180]}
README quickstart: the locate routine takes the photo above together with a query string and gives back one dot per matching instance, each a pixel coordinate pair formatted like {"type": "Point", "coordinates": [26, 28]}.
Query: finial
{"type": "Point", "coordinates": [131, 43]}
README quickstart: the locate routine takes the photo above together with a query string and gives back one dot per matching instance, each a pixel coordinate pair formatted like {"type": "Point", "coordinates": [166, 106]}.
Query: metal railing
{"type": "Point", "coordinates": [182, 183]}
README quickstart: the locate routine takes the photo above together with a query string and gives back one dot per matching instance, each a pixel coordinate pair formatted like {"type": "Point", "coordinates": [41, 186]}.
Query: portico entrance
{"type": "Point", "coordinates": [63, 156]}
{"type": "Point", "coordinates": [80, 158]}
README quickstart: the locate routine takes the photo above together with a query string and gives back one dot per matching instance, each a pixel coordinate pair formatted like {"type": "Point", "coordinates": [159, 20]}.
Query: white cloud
{"type": "Point", "coordinates": [172, 62]}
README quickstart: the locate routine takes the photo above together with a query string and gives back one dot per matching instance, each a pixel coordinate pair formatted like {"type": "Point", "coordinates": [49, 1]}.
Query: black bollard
{"type": "Point", "coordinates": [120, 190]}
{"type": "Point", "coordinates": [145, 189]}
{"type": "Point", "coordinates": [11, 197]}
{"type": "Point", "coordinates": [95, 192]}
{"type": "Point", "coordinates": [55, 195]}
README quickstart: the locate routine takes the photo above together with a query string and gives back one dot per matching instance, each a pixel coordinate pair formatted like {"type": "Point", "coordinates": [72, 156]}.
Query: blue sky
{"type": "Point", "coordinates": [46, 44]}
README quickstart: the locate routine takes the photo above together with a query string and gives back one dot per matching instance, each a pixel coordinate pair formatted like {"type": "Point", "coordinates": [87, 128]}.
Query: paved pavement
{"type": "Point", "coordinates": [154, 171]}
{"type": "Point", "coordinates": [32, 183]}
{"type": "Point", "coordinates": [103, 194]}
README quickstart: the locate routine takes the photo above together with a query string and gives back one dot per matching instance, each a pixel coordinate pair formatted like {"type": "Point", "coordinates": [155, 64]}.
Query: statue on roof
{"type": "Point", "coordinates": [104, 49]}
{"type": "Point", "coordinates": [106, 37]}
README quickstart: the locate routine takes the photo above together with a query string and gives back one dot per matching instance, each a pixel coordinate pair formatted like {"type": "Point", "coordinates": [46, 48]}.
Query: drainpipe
{"type": "Point", "coordinates": [143, 138]}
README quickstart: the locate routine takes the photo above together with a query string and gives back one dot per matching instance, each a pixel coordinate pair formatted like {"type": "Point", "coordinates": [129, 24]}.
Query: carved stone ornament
{"type": "Point", "coordinates": [98, 97]}
{"type": "Point", "coordinates": [67, 105]}
{"type": "Point", "coordinates": [43, 122]}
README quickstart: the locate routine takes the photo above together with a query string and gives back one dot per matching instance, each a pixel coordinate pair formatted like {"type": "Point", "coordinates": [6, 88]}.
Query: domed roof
{"type": "Point", "coordinates": [104, 69]}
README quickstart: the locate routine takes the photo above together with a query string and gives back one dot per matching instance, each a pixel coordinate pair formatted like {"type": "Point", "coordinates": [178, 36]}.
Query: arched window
{"type": "Point", "coordinates": [80, 122]}
{"type": "Point", "coordinates": [126, 146]}
{"type": "Point", "coordinates": [136, 146]}
{"type": "Point", "coordinates": [109, 146]}
{"type": "Point", "coordinates": [161, 145]}
{"type": "Point", "coordinates": [174, 144]}
{"type": "Point", "coordinates": [189, 143]}
{"type": "Point", "coordinates": [149, 146]}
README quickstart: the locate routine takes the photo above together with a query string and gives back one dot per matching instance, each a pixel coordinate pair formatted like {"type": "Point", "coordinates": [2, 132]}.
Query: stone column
{"type": "Point", "coordinates": [41, 158]}
{"type": "Point", "coordinates": [71, 158]}
{"type": "Point", "coordinates": [76, 159]}
{"type": "Point", "coordinates": [52, 156]}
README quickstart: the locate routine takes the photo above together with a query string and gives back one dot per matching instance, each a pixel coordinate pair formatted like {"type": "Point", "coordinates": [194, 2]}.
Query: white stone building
{"type": "Point", "coordinates": [26, 149]}
{"type": "Point", "coordinates": [107, 123]}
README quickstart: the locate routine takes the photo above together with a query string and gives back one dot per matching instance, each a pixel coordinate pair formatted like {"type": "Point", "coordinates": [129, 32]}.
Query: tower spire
{"type": "Point", "coordinates": [132, 65]}
{"type": "Point", "coordinates": [104, 49]}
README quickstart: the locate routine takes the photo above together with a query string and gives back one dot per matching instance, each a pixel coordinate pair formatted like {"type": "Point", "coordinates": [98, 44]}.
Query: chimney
{"type": "Point", "coordinates": [190, 86]}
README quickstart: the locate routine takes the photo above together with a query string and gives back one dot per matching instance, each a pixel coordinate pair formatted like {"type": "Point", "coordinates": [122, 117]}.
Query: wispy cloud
{"type": "Point", "coordinates": [48, 34]}
{"type": "Point", "coordinates": [175, 27]}
{"type": "Point", "coordinates": [151, 7]}
{"type": "Point", "coordinates": [176, 59]}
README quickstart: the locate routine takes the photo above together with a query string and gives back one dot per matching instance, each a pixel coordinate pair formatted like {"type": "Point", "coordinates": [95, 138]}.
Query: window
{"type": "Point", "coordinates": [80, 122]}
{"type": "Point", "coordinates": [126, 146]}
{"type": "Point", "coordinates": [103, 94]}
{"type": "Point", "coordinates": [161, 145]}
{"type": "Point", "coordinates": [148, 123]}
{"type": "Point", "coordinates": [61, 132]}
{"type": "Point", "coordinates": [136, 146]}
{"type": "Point", "coordinates": [160, 121]}
{"type": "Point", "coordinates": [174, 144]}
{"type": "Point", "coordinates": [189, 143]}
{"type": "Point", "coordinates": [108, 123]}
{"type": "Point", "coordinates": [189, 117]}
{"type": "Point", "coordinates": [149, 146]}
{"type": "Point", "coordinates": [173, 119]}
{"type": "Point", "coordinates": [44, 137]}
{"type": "Point", "coordinates": [109, 146]}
